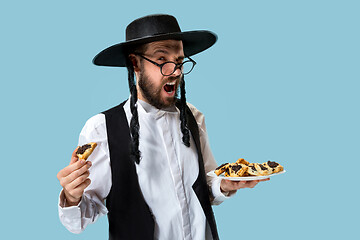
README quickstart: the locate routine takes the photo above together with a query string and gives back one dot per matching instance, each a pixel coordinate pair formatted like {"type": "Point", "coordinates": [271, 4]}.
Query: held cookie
{"type": "Point", "coordinates": [220, 169]}
{"type": "Point", "coordinates": [274, 166]}
{"type": "Point", "coordinates": [235, 170]}
{"type": "Point", "coordinates": [84, 151]}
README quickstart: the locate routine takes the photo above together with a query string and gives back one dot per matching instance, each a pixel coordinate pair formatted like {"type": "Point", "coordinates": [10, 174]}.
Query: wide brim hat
{"type": "Point", "coordinates": [153, 28]}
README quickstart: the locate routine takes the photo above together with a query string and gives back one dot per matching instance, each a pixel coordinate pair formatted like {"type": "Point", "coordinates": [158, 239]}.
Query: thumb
{"type": "Point", "coordinates": [74, 157]}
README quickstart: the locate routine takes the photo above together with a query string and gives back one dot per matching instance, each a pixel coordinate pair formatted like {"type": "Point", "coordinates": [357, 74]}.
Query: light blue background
{"type": "Point", "coordinates": [281, 83]}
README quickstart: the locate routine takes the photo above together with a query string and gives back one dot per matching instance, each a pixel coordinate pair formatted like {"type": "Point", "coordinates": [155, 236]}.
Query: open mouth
{"type": "Point", "coordinates": [170, 87]}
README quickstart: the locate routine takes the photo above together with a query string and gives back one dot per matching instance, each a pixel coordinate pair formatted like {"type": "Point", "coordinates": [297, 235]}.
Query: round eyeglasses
{"type": "Point", "coordinates": [168, 68]}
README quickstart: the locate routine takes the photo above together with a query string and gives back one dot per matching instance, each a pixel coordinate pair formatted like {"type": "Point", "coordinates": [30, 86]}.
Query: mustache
{"type": "Point", "coordinates": [172, 78]}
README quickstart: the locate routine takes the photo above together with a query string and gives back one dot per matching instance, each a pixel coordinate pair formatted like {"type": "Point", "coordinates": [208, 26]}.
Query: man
{"type": "Point", "coordinates": [153, 151]}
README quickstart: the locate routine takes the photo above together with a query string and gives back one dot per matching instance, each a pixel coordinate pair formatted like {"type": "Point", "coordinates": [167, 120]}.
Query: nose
{"type": "Point", "coordinates": [177, 71]}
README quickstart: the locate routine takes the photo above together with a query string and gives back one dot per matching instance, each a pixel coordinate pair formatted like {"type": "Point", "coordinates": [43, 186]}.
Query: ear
{"type": "Point", "coordinates": [135, 62]}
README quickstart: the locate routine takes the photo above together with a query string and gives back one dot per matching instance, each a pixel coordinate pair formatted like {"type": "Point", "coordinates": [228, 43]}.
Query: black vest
{"type": "Point", "coordinates": [129, 216]}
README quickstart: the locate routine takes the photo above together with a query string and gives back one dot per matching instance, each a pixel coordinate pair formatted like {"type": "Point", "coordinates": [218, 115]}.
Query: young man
{"type": "Point", "coordinates": [153, 151]}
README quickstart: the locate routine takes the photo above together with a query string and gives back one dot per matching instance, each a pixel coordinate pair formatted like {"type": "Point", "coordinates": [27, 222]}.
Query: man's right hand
{"type": "Point", "coordinates": [74, 179]}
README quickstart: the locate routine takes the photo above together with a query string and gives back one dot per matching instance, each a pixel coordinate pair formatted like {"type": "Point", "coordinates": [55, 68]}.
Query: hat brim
{"type": "Point", "coordinates": [193, 43]}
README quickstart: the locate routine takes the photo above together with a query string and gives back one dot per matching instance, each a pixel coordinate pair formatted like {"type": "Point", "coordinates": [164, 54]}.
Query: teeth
{"type": "Point", "coordinates": [172, 83]}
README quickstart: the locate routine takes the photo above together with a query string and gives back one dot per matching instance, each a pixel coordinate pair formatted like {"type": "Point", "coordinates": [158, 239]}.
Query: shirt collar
{"type": "Point", "coordinates": [151, 109]}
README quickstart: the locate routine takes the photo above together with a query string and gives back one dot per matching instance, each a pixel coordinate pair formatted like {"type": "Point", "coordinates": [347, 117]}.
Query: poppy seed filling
{"type": "Point", "coordinates": [263, 168]}
{"type": "Point", "coordinates": [222, 165]}
{"type": "Point", "coordinates": [83, 148]}
{"type": "Point", "coordinates": [236, 168]}
{"type": "Point", "coordinates": [272, 164]}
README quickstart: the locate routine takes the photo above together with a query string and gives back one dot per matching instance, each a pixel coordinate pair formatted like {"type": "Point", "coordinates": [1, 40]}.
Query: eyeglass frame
{"type": "Point", "coordinates": [177, 65]}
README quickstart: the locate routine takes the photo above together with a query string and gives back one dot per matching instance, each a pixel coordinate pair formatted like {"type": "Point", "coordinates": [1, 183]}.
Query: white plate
{"type": "Point", "coordinates": [250, 178]}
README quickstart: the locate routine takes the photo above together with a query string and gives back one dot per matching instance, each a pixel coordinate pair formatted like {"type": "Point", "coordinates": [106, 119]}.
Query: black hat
{"type": "Point", "coordinates": [154, 28]}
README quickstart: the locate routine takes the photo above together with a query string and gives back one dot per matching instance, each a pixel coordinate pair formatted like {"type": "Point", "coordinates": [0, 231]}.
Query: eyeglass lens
{"type": "Point", "coordinates": [169, 68]}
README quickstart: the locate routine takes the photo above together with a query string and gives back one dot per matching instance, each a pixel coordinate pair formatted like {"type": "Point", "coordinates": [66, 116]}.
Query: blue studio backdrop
{"type": "Point", "coordinates": [281, 83]}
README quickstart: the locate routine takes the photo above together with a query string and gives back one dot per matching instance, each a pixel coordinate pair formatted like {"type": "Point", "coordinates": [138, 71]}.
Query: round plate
{"type": "Point", "coordinates": [250, 178]}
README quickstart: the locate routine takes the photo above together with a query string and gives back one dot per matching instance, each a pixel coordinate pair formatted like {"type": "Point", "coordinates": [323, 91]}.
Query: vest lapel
{"type": "Point", "coordinates": [129, 215]}
{"type": "Point", "coordinates": [200, 186]}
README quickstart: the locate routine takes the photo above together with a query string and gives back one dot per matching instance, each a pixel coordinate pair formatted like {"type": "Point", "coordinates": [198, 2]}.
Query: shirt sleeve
{"type": "Point", "coordinates": [209, 160]}
{"type": "Point", "coordinates": [91, 206]}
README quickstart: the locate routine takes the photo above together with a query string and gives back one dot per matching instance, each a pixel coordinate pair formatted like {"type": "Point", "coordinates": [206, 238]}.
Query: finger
{"type": "Point", "coordinates": [79, 190]}
{"type": "Point", "coordinates": [74, 157]}
{"type": "Point", "coordinates": [241, 184]}
{"type": "Point", "coordinates": [69, 173]}
{"type": "Point", "coordinates": [75, 166]}
{"type": "Point", "coordinates": [69, 169]}
{"type": "Point", "coordinates": [79, 180]}
{"type": "Point", "coordinates": [232, 185]}
{"type": "Point", "coordinates": [228, 185]}
{"type": "Point", "coordinates": [75, 173]}
{"type": "Point", "coordinates": [264, 180]}
{"type": "Point", "coordinates": [252, 184]}
{"type": "Point", "coordinates": [228, 181]}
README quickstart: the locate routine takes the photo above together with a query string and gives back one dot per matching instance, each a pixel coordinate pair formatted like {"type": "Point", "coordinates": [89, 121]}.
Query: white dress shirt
{"type": "Point", "coordinates": [166, 173]}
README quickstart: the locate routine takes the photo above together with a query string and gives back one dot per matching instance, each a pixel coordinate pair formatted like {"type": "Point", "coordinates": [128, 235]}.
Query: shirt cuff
{"type": "Point", "coordinates": [70, 217]}
{"type": "Point", "coordinates": [219, 196]}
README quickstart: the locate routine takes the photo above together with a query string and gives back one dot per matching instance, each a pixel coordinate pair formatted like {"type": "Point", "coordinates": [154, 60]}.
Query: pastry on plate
{"type": "Point", "coordinates": [252, 171]}
{"type": "Point", "coordinates": [274, 166]}
{"type": "Point", "coordinates": [220, 169]}
{"type": "Point", "coordinates": [235, 170]}
{"type": "Point", "coordinates": [243, 168]}
{"type": "Point", "coordinates": [84, 151]}
{"type": "Point", "coordinates": [263, 170]}
{"type": "Point", "coordinates": [242, 161]}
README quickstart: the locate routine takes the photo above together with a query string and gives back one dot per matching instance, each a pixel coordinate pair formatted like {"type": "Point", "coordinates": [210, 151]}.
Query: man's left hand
{"type": "Point", "coordinates": [231, 186]}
